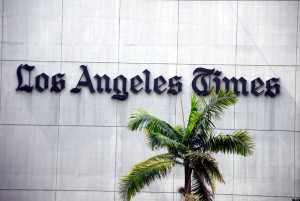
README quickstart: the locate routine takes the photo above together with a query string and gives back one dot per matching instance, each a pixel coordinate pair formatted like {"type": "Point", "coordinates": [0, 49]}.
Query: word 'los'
{"type": "Point", "coordinates": [204, 79]}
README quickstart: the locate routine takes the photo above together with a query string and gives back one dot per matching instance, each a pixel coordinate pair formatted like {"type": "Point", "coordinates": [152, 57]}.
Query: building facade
{"type": "Point", "coordinates": [64, 146]}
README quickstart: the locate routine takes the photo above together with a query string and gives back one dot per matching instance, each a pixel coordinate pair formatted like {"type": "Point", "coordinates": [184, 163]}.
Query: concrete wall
{"type": "Point", "coordinates": [75, 147]}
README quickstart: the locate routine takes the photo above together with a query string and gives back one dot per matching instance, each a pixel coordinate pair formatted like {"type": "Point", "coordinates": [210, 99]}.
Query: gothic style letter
{"type": "Point", "coordinates": [254, 87]}
{"type": "Point", "coordinates": [217, 80]}
{"type": "Point", "coordinates": [171, 85]}
{"type": "Point", "coordinates": [244, 86]}
{"type": "Point", "coordinates": [27, 88]}
{"type": "Point", "coordinates": [99, 88]}
{"type": "Point", "coordinates": [269, 87]}
{"type": "Point", "coordinates": [235, 85]}
{"type": "Point", "coordinates": [88, 81]}
{"type": "Point", "coordinates": [147, 89]}
{"type": "Point", "coordinates": [116, 89]}
{"type": "Point", "coordinates": [156, 86]}
{"type": "Point", "coordinates": [133, 85]}
{"type": "Point", "coordinates": [37, 82]}
{"type": "Point", "coordinates": [55, 83]}
{"type": "Point", "coordinates": [204, 72]}
{"type": "Point", "coordinates": [227, 83]}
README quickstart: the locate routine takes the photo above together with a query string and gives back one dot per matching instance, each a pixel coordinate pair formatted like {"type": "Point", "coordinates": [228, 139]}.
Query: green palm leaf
{"type": "Point", "coordinates": [239, 142]}
{"type": "Point", "coordinates": [195, 110]}
{"type": "Point", "coordinates": [143, 119]}
{"type": "Point", "coordinates": [206, 166]}
{"type": "Point", "coordinates": [189, 146]}
{"type": "Point", "coordinates": [180, 130]}
{"type": "Point", "coordinates": [158, 141]}
{"type": "Point", "coordinates": [199, 188]}
{"type": "Point", "coordinates": [216, 106]}
{"type": "Point", "coordinates": [143, 173]}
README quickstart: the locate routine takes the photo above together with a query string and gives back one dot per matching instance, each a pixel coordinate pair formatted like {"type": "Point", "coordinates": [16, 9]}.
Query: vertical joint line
{"type": "Point", "coordinates": [177, 34]}
{"type": "Point", "coordinates": [176, 96]}
{"type": "Point", "coordinates": [119, 34]}
{"type": "Point", "coordinates": [296, 100]}
{"type": "Point", "coordinates": [57, 149]}
{"type": "Point", "coordinates": [59, 97]}
{"type": "Point", "coordinates": [61, 34]}
{"type": "Point", "coordinates": [117, 103]}
{"type": "Point", "coordinates": [2, 43]}
{"type": "Point", "coordinates": [236, 40]}
{"type": "Point", "coordinates": [236, 36]}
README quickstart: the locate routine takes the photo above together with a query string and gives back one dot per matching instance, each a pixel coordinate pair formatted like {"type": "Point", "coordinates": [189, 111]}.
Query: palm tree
{"type": "Point", "coordinates": [190, 146]}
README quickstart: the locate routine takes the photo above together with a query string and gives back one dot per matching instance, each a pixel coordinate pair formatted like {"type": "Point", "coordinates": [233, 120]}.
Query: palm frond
{"type": "Point", "coordinates": [195, 110]}
{"type": "Point", "coordinates": [143, 119]}
{"type": "Point", "coordinates": [206, 166]}
{"type": "Point", "coordinates": [220, 101]}
{"type": "Point", "coordinates": [194, 113]}
{"type": "Point", "coordinates": [239, 142]}
{"type": "Point", "coordinates": [212, 109]}
{"type": "Point", "coordinates": [158, 141]}
{"type": "Point", "coordinates": [179, 129]}
{"type": "Point", "coordinates": [216, 105]}
{"type": "Point", "coordinates": [143, 173]}
{"type": "Point", "coordinates": [200, 190]}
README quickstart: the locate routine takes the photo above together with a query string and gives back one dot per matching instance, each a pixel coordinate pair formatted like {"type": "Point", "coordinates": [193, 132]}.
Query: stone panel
{"type": "Point", "coordinates": [207, 32]}
{"type": "Point", "coordinates": [267, 32]}
{"type": "Point", "coordinates": [1, 44]}
{"type": "Point", "coordinates": [29, 156]}
{"type": "Point", "coordinates": [148, 32]}
{"type": "Point", "coordinates": [297, 109]}
{"type": "Point", "coordinates": [154, 196]}
{"type": "Point", "coordinates": [265, 112]}
{"type": "Point", "coordinates": [297, 164]}
{"type": "Point", "coordinates": [178, 197]}
{"type": "Point", "coordinates": [26, 195]}
{"type": "Point", "coordinates": [90, 30]}
{"type": "Point", "coordinates": [270, 171]}
{"type": "Point", "coordinates": [1, 29]}
{"type": "Point", "coordinates": [298, 41]}
{"type": "Point", "coordinates": [260, 198]}
{"type": "Point", "coordinates": [225, 162]}
{"type": "Point", "coordinates": [223, 197]}
{"type": "Point", "coordinates": [20, 107]}
{"type": "Point", "coordinates": [32, 30]}
{"type": "Point", "coordinates": [86, 108]}
{"type": "Point", "coordinates": [84, 196]}
{"type": "Point", "coordinates": [86, 158]}
{"type": "Point", "coordinates": [151, 196]}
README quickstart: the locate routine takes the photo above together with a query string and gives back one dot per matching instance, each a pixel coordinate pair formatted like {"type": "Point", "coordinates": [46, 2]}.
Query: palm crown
{"type": "Point", "coordinates": [189, 146]}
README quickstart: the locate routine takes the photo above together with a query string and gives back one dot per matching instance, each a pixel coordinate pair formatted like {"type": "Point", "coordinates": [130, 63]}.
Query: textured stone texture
{"type": "Point", "coordinates": [32, 30]}
{"type": "Point", "coordinates": [84, 196]}
{"type": "Point", "coordinates": [148, 31]}
{"type": "Point", "coordinates": [29, 155]}
{"type": "Point", "coordinates": [86, 158]}
{"type": "Point", "coordinates": [267, 33]}
{"type": "Point", "coordinates": [270, 171]}
{"type": "Point", "coordinates": [27, 195]}
{"type": "Point", "coordinates": [65, 146]}
{"type": "Point", "coordinates": [207, 32]}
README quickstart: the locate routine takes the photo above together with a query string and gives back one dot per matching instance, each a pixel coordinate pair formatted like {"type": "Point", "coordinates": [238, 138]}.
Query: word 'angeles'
{"type": "Point", "coordinates": [200, 83]}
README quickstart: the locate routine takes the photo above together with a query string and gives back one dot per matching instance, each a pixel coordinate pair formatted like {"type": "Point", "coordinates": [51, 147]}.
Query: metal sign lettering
{"type": "Point", "coordinates": [204, 80]}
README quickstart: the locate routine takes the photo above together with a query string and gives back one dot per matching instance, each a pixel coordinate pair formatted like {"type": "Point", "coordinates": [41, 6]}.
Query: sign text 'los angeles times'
{"type": "Point", "coordinates": [204, 79]}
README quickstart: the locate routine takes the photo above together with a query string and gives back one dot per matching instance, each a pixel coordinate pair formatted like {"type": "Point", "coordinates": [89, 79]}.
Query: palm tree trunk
{"type": "Point", "coordinates": [187, 180]}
